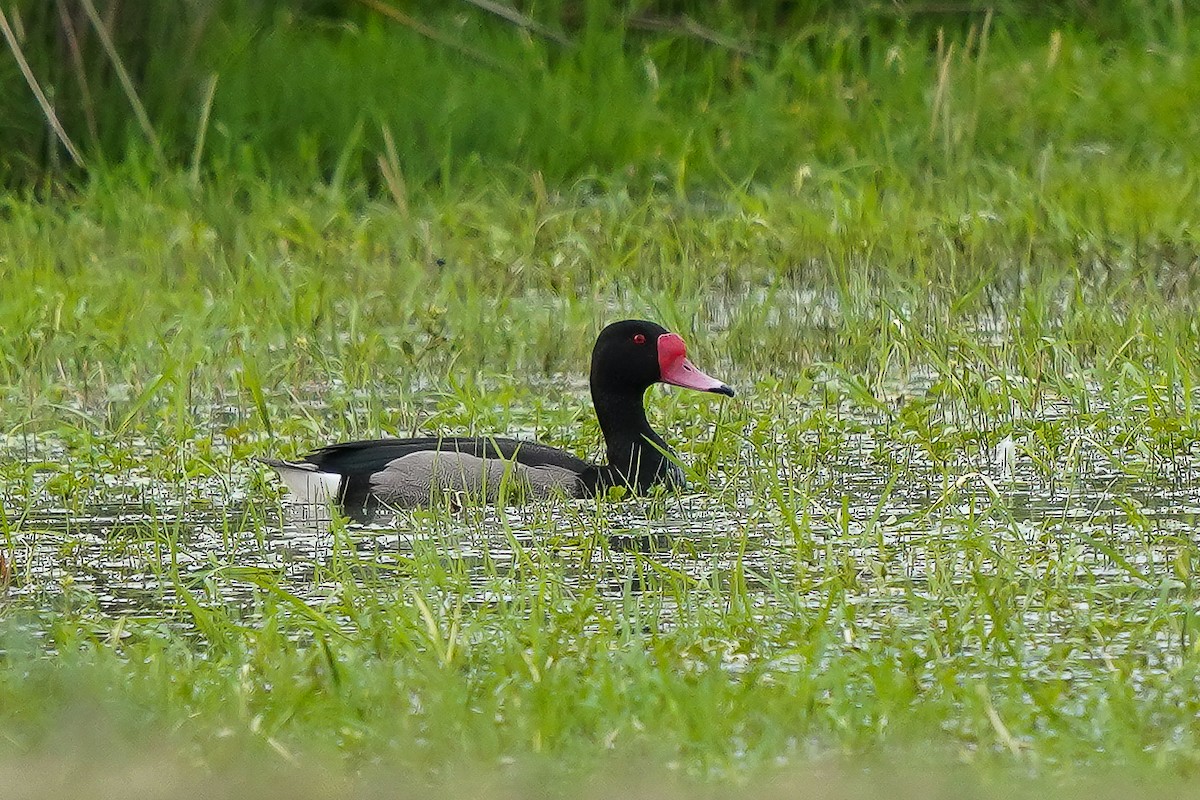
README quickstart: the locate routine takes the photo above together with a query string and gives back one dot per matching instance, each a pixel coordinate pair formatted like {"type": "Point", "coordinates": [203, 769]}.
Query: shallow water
{"type": "Point", "coordinates": [897, 534]}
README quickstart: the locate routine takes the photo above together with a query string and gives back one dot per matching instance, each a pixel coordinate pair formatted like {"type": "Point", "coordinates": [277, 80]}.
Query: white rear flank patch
{"type": "Point", "coordinates": [307, 484]}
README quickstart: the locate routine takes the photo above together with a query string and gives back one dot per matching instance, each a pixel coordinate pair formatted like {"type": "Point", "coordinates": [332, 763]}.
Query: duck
{"type": "Point", "coordinates": [629, 357]}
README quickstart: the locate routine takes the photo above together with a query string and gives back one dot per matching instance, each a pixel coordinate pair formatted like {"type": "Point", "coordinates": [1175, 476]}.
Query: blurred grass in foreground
{"type": "Point", "coordinates": [146, 778]}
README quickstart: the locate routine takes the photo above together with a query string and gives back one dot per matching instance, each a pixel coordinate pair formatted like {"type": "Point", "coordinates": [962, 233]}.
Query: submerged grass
{"type": "Point", "coordinates": [949, 520]}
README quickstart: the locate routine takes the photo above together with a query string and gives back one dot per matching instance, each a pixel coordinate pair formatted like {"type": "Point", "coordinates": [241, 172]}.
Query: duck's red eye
{"type": "Point", "coordinates": [639, 338]}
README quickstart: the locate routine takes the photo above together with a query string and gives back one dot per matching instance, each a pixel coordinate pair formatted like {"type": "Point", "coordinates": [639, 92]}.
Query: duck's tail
{"type": "Point", "coordinates": [306, 483]}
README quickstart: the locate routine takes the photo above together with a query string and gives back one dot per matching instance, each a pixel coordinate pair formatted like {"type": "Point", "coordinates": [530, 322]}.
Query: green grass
{"type": "Point", "coordinates": [866, 99]}
{"type": "Point", "coordinates": [901, 267]}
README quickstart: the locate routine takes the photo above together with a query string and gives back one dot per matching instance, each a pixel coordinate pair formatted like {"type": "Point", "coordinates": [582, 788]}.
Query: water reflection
{"type": "Point", "coordinates": [870, 513]}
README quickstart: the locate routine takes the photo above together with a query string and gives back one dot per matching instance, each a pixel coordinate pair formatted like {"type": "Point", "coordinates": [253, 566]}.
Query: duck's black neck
{"type": "Point", "coordinates": [637, 456]}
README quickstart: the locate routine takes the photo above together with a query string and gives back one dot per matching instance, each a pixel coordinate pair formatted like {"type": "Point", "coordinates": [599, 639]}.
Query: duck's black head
{"type": "Point", "coordinates": [633, 354]}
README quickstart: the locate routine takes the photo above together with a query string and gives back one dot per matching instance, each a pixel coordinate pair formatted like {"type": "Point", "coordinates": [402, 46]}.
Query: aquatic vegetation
{"type": "Point", "coordinates": [950, 516]}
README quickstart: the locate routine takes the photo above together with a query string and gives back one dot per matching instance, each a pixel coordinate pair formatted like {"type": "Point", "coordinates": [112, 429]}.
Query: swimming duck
{"type": "Point", "coordinates": [628, 358]}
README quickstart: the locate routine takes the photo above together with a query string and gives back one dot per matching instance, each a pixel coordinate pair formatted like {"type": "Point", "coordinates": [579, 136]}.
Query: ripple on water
{"type": "Point", "coordinates": [896, 541]}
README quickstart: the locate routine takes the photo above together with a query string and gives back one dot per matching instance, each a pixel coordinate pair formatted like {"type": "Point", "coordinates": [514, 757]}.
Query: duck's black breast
{"type": "Point", "coordinates": [372, 470]}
